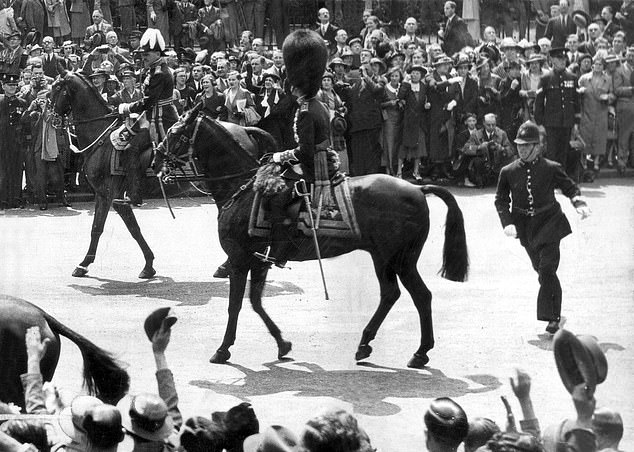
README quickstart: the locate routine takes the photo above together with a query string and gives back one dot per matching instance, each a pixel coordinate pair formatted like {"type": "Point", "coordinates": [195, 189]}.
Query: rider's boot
{"type": "Point", "coordinates": [281, 244]}
{"type": "Point", "coordinates": [133, 176]}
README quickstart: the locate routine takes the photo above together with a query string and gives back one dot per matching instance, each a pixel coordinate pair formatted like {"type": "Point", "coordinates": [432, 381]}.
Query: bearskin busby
{"type": "Point", "coordinates": [305, 57]}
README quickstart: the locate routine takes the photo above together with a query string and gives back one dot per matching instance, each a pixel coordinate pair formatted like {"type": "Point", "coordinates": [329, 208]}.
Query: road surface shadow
{"type": "Point", "coordinates": [187, 293]}
{"type": "Point", "coordinates": [52, 211]}
{"type": "Point", "coordinates": [366, 390]}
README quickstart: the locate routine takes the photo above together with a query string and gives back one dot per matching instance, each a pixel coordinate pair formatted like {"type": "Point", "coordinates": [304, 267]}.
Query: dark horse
{"type": "Point", "coordinates": [103, 376]}
{"type": "Point", "coordinates": [94, 120]}
{"type": "Point", "coordinates": [392, 214]}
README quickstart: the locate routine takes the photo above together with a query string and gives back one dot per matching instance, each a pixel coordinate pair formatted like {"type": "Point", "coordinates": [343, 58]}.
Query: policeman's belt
{"type": "Point", "coordinates": [164, 102]}
{"type": "Point", "coordinates": [532, 211]}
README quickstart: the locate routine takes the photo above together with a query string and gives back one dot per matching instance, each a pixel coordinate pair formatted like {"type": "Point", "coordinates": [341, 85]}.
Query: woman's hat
{"type": "Point", "coordinates": [99, 72]}
{"type": "Point", "coordinates": [272, 73]}
{"type": "Point", "coordinates": [579, 360]}
{"type": "Point", "coordinates": [462, 60]}
{"type": "Point", "coordinates": [581, 18]}
{"type": "Point", "coordinates": [509, 43]}
{"type": "Point", "coordinates": [336, 61]}
{"type": "Point", "coordinates": [274, 439]}
{"type": "Point", "coordinates": [153, 322]}
{"type": "Point", "coordinates": [612, 58]}
{"type": "Point", "coordinates": [35, 47]}
{"type": "Point", "coordinates": [526, 44]}
{"type": "Point", "coordinates": [146, 416]}
{"type": "Point", "coordinates": [380, 62]}
{"type": "Point", "coordinates": [353, 40]}
{"type": "Point", "coordinates": [481, 62]}
{"type": "Point", "coordinates": [329, 75]}
{"type": "Point", "coordinates": [442, 59]}
{"type": "Point", "coordinates": [421, 69]}
{"type": "Point", "coordinates": [536, 58]}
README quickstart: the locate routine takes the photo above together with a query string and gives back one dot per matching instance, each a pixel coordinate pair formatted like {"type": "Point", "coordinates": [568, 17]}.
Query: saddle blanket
{"type": "Point", "coordinates": [334, 220]}
{"type": "Point", "coordinates": [117, 166]}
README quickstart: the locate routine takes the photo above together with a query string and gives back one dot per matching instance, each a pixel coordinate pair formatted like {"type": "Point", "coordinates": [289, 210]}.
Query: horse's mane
{"type": "Point", "coordinates": [84, 79]}
{"type": "Point", "coordinates": [226, 135]}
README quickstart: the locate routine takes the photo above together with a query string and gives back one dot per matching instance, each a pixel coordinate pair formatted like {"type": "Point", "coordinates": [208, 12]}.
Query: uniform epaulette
{"type": "Point", "coordinates": [304, 107]}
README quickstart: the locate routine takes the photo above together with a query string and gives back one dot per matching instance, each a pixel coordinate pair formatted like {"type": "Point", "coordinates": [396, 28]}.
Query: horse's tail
{"type": "Point", "coordinates": [455, 259]}
{"type": "Point", "coordinates": [265, 141]}
{"type": "Point", "coordinates": [103, 375]}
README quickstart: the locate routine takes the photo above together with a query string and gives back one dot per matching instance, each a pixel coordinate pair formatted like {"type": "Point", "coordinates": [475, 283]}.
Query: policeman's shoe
{"type": "Point", "coordinates": [552, 327]}
{"type": "Point", "coordinates": [128, 201]}
{"type": "Point", "coordinates": [64, 202]}
{"type": "Point", "coordinates": [44, 206]}
{"type": "Point", "coordinates": [468, 183]}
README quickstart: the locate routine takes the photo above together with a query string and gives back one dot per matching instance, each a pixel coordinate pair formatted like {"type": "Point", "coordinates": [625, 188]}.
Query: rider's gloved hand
{"type": "Point", "coordinates": [124, 109]}
{"type": "Point", "coordinates": [510, 231]}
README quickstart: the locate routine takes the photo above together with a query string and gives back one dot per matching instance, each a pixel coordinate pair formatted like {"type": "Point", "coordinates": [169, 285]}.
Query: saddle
{"type": "Point", "coordinates": [337, 219]}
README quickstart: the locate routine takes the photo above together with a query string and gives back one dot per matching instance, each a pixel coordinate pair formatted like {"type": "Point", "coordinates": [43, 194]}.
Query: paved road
{"type": "Point", "coordinates": [484, 327]}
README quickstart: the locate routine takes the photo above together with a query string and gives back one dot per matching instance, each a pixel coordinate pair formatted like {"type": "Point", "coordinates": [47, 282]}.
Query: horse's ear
{"type": "Point", "coordinates": [61, 70]}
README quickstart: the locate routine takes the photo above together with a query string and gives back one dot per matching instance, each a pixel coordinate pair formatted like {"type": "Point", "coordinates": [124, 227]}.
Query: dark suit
{"type": "Point", "coordinates": [49, 64]}
{"type": "Point", "coordinates": [104, 27]}
{"type": "Point", "coordinates": [456, 35]}
{"type": "Point", "coordinates": [556, 106]}
{"type": "Point", "coordinates": [365, 121]}
{"type": "Point", "coordinates": [328, 36]}
{"type": "Point", "coordinates": [539, 221]}
{"type": "Point", "coordinates": [414, 114]}
{"type": "Point", "coordinates": [467, 99]}
{"type": "Point", "coordinates": [558, 32]}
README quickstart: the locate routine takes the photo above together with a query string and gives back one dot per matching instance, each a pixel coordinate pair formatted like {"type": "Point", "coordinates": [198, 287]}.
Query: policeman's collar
{"type": "Point", "coordinates": [531, 162]}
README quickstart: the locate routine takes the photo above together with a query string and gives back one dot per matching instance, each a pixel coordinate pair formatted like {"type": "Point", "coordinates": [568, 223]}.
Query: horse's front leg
{"type": "Point", "coordinates": [258, 281]}
{"type": "Point", "coordinates": [127, 215]}
{"type": "Point", "coordinates": [102, 205]}
{"type": "Point", "coordinates": [238, 282]}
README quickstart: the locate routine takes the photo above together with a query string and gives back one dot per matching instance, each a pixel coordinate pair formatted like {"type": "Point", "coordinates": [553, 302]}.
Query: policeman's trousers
{"type": "Point", "coordinates": [557, 144]}
{"type": "Point", "coordinates": [625, 127]}
{"type": "Point", "coordinates": [545, 261]}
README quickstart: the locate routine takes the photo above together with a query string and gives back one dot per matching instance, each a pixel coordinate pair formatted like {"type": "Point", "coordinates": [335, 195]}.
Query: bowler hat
{"type": "Point", "coordinates": [188, 55]}
{"type": "Point", "coordinates": [157, 318]}
{"type": "Point", "coordinates": [446, 420]}
{"type": "Point", "coordinates": [579, 360]}
{"type": "Point", "coordinates": [146, 416]}
{"type": "Point", "coordinates": [274, 439]}
{"type": "Point", "coordinates": [557, 52]}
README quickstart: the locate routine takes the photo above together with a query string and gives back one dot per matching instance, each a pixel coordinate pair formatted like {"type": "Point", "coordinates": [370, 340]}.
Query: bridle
{"type": "Point", "coordinates": [174, 159]}
{"type": "Point", "coordinates": [62, 120]}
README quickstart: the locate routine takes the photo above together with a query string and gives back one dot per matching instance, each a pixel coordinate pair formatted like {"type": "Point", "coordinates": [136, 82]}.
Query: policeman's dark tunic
{"type": "Point", "coordinates": [11, 155]}
{"type": "Point", "coordinates": [539, 221]}
{"type": "Point", "coordinates": [557, 108]}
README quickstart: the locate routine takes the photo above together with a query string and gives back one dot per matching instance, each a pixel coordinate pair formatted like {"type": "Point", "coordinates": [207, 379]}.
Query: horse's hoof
{"type": "Point", "coordinates": [418, 361]}
{"type": "Point", "coordinates": [220, 357]}
{"type": "Point", "coordinates": [363, 352]}
{"type": "Point", "coordinates": [80, 272]}
{"type": "Point", "coordinates": [147, 273]}
{"type": "Point", "coordinates": [283, 349]}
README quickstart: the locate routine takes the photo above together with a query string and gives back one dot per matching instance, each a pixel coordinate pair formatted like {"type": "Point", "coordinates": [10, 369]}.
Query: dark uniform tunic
{"type": "Point", "coordinates": [312, 133]}
{"type": "Point", "coordinates": [539, 221]}
{"type": "Point", "coordinates": [557, 109]}
{"type": "Point", "coordinates": [157, 102]}
{"type": "Point", "coordinates": [11, 155]}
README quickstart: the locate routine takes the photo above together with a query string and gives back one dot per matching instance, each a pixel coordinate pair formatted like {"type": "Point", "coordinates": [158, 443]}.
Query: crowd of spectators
{"type": "Point", "coordinates": [152, 421]}
{"type": "Point", "coordinates": [443, 106]}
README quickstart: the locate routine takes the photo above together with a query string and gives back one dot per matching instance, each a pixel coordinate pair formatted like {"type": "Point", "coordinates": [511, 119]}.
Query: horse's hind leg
{"type": "Point", "coordinates": [102, 205]}
{"type": "Point", "coordinates": [127, 215]}
{"type": "Point", "coordinates": [389, 294]}
{"type": "Point", "coordinates": [238, 283]}
{"type": "Point", "coordinates": [421, 296]}
{"type": "Point", "coordinates": [258, 281]}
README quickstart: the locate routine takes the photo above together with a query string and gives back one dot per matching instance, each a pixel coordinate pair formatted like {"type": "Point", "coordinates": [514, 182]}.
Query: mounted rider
{"type": "Point", "coordinates": [158, 106]}
{"type": "Point", "coordinates": [305, 57]}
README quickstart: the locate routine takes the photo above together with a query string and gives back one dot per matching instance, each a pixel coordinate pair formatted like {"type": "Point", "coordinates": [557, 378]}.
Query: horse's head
{"type": "Point", "coordinates": [60, 99]}
{"type": "Point", "coordinates": [177, 142]}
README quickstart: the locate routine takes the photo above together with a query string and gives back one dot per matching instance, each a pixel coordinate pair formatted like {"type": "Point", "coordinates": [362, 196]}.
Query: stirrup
{"type": "Point", "coordinates": [267, 258]}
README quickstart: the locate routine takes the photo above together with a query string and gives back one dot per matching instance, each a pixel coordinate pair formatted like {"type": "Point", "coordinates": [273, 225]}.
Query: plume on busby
{"type": "Point", "coordinates": [152, 41]}
{"type": "Point", "coordinates": [305, 57]}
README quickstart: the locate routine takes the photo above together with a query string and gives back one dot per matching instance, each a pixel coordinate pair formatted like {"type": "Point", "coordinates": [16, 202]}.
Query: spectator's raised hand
{"type": "Point", "coordinates": [35, 346]}
{"type": "Point", "coordinates": [161, 339]}
{"type": "Point", "coordinates": [585, 403]}
{"type": "Point", "coordinates": [521, 384]}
